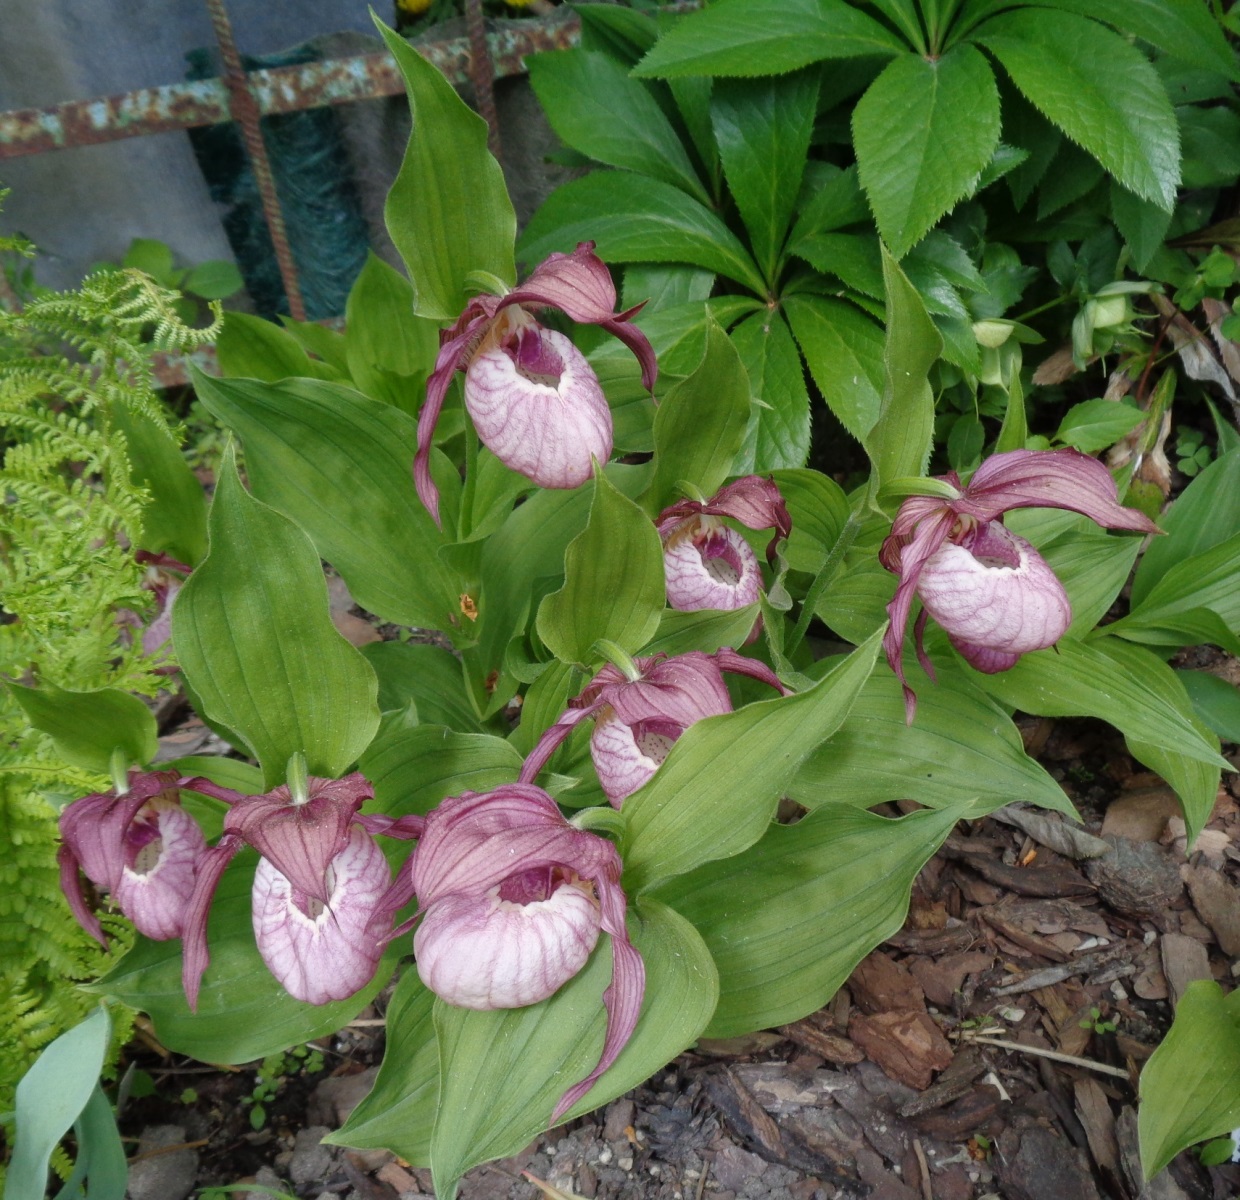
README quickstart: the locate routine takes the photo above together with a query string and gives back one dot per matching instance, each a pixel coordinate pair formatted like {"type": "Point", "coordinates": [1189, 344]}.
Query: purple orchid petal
{"type": "Point", "coordinates": [626, 756]}
{"type": "Point", "coordinates": [71, 885]}
{"type": "Point", "coordinates": [714, 569]}
{"type": "Point", "coordinates": [753, 501]}
{"type": "Point", "coordinates": [1048, 479]}
{"type": "Point", "coordinates": [995, 591]}
{"type": "Point", "coordinates": [195, 956]}
{"type": "Point", "coordinates": [158, 879]}
{"type": "Point", "coordinates": [682, 689]}
{"type": "Point", "coordinates": [551, 739]}
{"type": "Point", "coordinates": [982, 658]}
{"type": "Point", "coordinates": [738, 664]}
{"type": "Point", "coordinates": [319, 951]}
{"type": "Point", "coordinates": [402, 828]}
{"type": "Point", "coordinates": [549, 430]}
{"type": "Point", "coordinates": [301, 839]}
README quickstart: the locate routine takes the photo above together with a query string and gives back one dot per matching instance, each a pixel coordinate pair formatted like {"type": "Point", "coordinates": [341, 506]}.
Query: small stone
{"type": "Point", "coordinates": [734, 1167]}
{"type": "Point", "coordinates": [164, 1176]}
{"type": "Point", "coordinates": [335, 1098]}
{"type": "Point", "coordinates": [312, 1161]}
{"type": "Point", "coordinates": [619, 1118]}
{"type": "Point", "coordinates": [1136, 879]}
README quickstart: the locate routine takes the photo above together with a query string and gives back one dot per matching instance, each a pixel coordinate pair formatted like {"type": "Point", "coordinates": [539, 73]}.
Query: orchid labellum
{"type": "Point", "coordinates": [323, 899]}
{"type": "Point", "coordinates": [514, 898]}
{"type": "Point", "coordinates": [536, 403]}
{"type": "Point", "coordinates": [640, 709]}
{"type": "Point", "coordinates": [991, 591]}
{"type": "Point", "coordinates": [141, 846]}
{"type": "Point", "coordinates": [708, 564]}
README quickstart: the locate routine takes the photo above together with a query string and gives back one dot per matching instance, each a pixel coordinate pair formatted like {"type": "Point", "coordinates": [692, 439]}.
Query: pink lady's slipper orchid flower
{"type": "Point", "coordinates": [641, 709]}
{"type": "Point", "coordinates": [991, 591]}
{"type": "Point", "coordinates": [141, 846]}
{"type": "Point", "coordinates": [535, 401]}
{"type": "Point", "coordinates": [708, 565]}
{"type": "Point", "coordinates": [323, 899]}
{"type": "Point", "coordinates": [513, 899]}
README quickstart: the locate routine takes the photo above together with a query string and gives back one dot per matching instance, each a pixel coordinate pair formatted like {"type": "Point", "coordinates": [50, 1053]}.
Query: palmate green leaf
{"type": "Point", "coordinates": [597, 108]}
{"type": "Point", "coordinates": [1098, 89]}
{"type": "Point", "coordinates": [778, 431]}
{"type": "Point", "coordinates": [255, 639]}
{"type": "Point", "coordinates": [700, 423]}
{"type": "Point", "coordinates": [448, 211]}
{"type": "Point", "coordinates": [243, 1013]}
{"type": "Point", "coordinates": [339, 464]}
{"type": "Point", "coordinates": [613, 582]}
{"type": "Point", "coordinates": [789, 919]}
{"type": "Point", "coordinates": [86, 727]}
{"type": "Point", "coordinates": [766, 37]}
{"type": "Point", "coordinates": [1188, 1087]}
{"type": "Point", "coordinates": [961, 740]}
{"type": "Point", "coordinates": [680, 819]}
{"type": "Point", "coordinates": [916, 154]}
{"type": "Point", "coordinates": [633, 218]}
{"type": "Point", "coordinates": [661, 287]}
{"type": "Point", "coordinates": [763, 130]}
{"type": "Point", "coordinates": [502, 1072]}
{"type": "Point", "coordinates": [621, 32]}
{"type": "Point", "coordinates": [899, 441]}
{"type": "Point", "coordinates": [843, 349]}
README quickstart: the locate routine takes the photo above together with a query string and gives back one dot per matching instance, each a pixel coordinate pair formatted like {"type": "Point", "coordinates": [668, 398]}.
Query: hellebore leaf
{"type": "Point", "coordinates": [613, 582]}
{"type": "Point", "coordinates": [778, 432]}
{"type": "Point", "coordinates": [503, 1071]}
{"type": "Point", "coordinates": [448, 211]}
{"type": "Point", "coordinates": [684, 816]}
{"type": "Point", "coordinates": [87, 726]}
{"type": "Point", "coordinates": [338, 463]}
{"type": "Point", "coordinates": [255, 639]}
{"type": "Point", "coordinates": [788, 919]}
{"type": "Point", "coordinates": [243, 1013]}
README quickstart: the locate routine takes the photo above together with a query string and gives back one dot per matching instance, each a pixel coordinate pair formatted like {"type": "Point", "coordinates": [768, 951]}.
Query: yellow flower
{"type": "Point", "coordinates": [413, 8]}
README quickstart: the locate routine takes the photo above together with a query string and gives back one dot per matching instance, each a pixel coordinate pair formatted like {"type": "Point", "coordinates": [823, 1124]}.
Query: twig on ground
{"type": "Point", "coordinates": [927, 1191]}
{"type": "Point", "coordinates": [1071, 1059]}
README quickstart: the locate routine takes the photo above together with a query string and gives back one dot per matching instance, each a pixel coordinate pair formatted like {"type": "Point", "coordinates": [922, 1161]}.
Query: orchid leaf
{"type": "Point", "coordinates": [428, 676]}
{"type": "Point", "coordinates": [252, 348]}
{"type": "Point", "coordinates": [682, 818]}
{"type": "Point", "coordinates": [255, 639]}
{"type": "Point", "coordinates": [819, 511]}
{"type": "Point", "coordinates": [788, 919]}
{"type": "Point", "coordinates": [1209, 580]}
{"type": "Point", "coordinates": [448, 211]}
{"type": "Point", "coordinates": [613, 582]}
{"type": "Point", "coordinates": [706, 629]}
{"type": "Point", "coordinates": [87, 727]}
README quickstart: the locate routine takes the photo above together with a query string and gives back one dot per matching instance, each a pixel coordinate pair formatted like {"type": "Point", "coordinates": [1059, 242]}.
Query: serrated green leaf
{"type": "Point", "coordinates": [789, 919]}
{"type": "Point", "coordinates": [633, 218]}
{"type": "Point", "coordinates": [1143, 224]}
{"type": "Point", "coordinates": [765, 37]}
{"type": "Point", "coordinates": [255, 639]}
{"type": "Point", "coordinates": [621, 32]}
{"type": "Point", "coordinates": [595, 106]}
{"type": "Point", "coordinates": [613, 582]}
{"type": "Point", "coordinates": [1098, 89]}
{"type": "Point", "coordinates": [448, 211]}
{"type": "Point", "coordinates": [778, 429]}
{"type": "Point", "coordinates": [86, 727]}
{"type": "Point", "coordinates": [915, 154]}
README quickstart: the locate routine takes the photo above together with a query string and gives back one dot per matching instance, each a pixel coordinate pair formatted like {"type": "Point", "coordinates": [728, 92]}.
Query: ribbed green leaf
{"type": "Point", "coordinates": [86, 727]}
{"type": "Point", "coordinates": [778, 431]}
{"type": "Point", "coordinates": [252, 348]}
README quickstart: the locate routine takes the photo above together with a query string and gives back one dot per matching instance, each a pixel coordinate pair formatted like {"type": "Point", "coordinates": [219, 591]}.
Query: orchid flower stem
{"type": "Point", "coordinates": [297, 778]}
{"type": "Point", "coordinates": [688, 488]}
{"type": "Point", "coordinates": [618, 657]}
{"type": "Point", "coordinates": [600, 819]}
{"type": "Point", "coordinates": [471, 480]}
{"type": "Point", "coordinates": [118, 768]}
{"type": "Point", "coordinates": [821, 582]}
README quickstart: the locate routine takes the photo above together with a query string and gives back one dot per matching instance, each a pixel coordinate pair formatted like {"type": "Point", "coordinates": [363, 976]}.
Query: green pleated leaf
{"type": "Point", "coordinates": [843, 349]}
{"type": "Point", "coordinates": [448, 211]}
{"type": "Point", "coordinates": [398, 1114]}
{"type": "Point", "coordinates": [961, 741]}
{"type": "Point", "coordinates": [700, 423]}
{"type": "Point", "coordinates": [340, 465]}
{"type": "Point", "coordinates": [250, 347]}
{"type": "Point", "coordinates": [633, 218]}
{"type": "Point", "coordinates": [1188, 1087]}
{"type": "Point", "coordinates": [778, 431]}
{"type": "Point", "coordinates": [1215, 701]}
{"type": "Point", "coordinates": [597, 108]}
{"type": "Point", "coordinates": [414, 767]}
{"type": "Point", "coordinates": [613, 582]}
{"type": "Point", "coordinates": [174, 521]}
{"type": "Point", "coordinates": [916, 155]}
{"type": "Point", "coordinates": [819, 510]}
{"type": "Point", "coordinates": [789, 919]}
{"type": "Point", "coordinates": [707, 630]}
{"type": "Point", "coordinates": [429, 677]}
{"type": "Point", "coordinates": [1208, 580]}
{"type": "Point", "coordinates": [763, 130]}
{"type": "Point", "coordinates": [682, 818]}
{"type": "Point", "coordinates": [502, 1072]}
{"type": "Point", "coordinates": [86, 727]}
{"type": "Point", "coordinates": [255, 639]}
{"type": "Point", "coordinates": [900, 440]}
{"type": "Point", "coordinates": [766, 37]}
{"type": "Point", "coordinates": [1098, 89]}
{"type": "Point", "coordinates": [243, 1013]}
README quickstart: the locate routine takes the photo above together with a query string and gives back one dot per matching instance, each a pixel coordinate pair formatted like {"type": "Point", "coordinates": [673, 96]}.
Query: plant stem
{"type": "Point", "coordinates": [822, 581]}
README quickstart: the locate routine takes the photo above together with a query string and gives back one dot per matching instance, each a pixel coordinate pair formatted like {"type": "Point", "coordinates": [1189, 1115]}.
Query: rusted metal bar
{"type": "Point", "coordinates": [482, 73]}
{"type": "Point", "coordinates": [245, 111]}
{"type": "Point", "coordinates": [275, 90]}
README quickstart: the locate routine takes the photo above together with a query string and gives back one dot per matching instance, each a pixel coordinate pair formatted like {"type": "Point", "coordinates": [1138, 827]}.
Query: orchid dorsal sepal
{"type": "Point", "coordinates": [619, 658]}
{"type": "Point", "coordinates": [297, 774]}
{"type": "Point", "coordinates": [606, 821]}
{"type": "Point", "coordinates": [118, 768]}
{"type": "Point", "coordinates": [478, 282]}
{"type": "Point", "coordinates": [899, 489]}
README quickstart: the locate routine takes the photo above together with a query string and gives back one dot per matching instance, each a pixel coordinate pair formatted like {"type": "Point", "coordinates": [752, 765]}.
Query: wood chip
{"type": "Point", "coordinates": [1051, 830]}
{"type": "Point", "coordinates": [1184, 959]}
{"type": "Point", "coordinates": [1139, 879]}
{"type": "Point", "coordinates": [1051, 880]}
{"type": "Point", "coordinates": [1217, 903]}
{"type": "Point", "coordinates": [1094, 1112]}
{"type": "Point", "coordinates": [816, 1034]}
{"type": "Point", "coordinates": [1141, 814]}
{"type": "Point", "coordinates": [1082, 965]}
{"type": "Point", "coordinates": [941, 979]}
{"type": "Point", "coordinates": [908, 1046]}
{"type": "Point", "coordinates": [997, 920]}
{"type": "Point", "coordinates": [880, 984]}
{"type": "Point", "coordinates": [956, 1081]}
